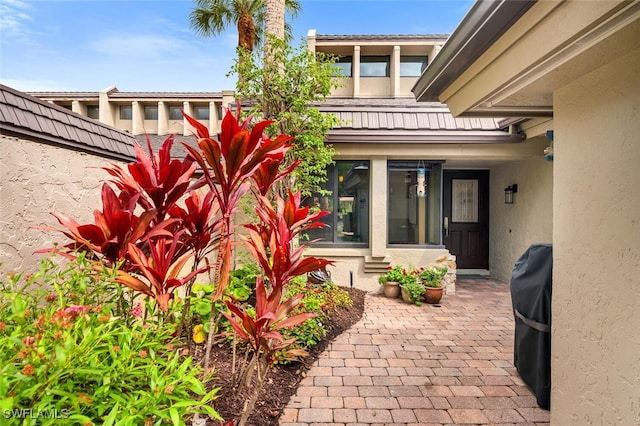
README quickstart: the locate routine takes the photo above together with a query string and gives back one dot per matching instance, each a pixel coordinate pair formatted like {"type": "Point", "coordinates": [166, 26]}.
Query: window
{"type": "Point", "coordinates": [93, 111]}
{"type": "Point", "coordinates": [412, 66]}
{"type": "Point", "coordinates": [411, 219]}
{"type": "Point", "coordinates": [175, 113]}
{"type": "Point", "coordinates": [201, 113]}
{"type": "Point", "coordinates": [125, 112]}
{"type": "Point", "coordinates": [374, 66]}
{"type": "Point", "coordinates": [343, 65]}
{"type": "Point", "coordinates": [150, 112]}
{"type": "Point", "coordinates": [219, 111]}
{"type": "Point", "coordinates": [348, 223]}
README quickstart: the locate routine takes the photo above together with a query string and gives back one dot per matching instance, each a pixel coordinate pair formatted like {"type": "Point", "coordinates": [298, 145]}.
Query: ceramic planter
{"type": "Point", "coordinates": [432, 295]}
{"type": "Point", "coordinates": [391, 289]}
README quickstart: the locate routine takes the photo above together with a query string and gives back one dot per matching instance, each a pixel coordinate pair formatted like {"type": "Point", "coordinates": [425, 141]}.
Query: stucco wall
{"type": "Point", "coordinates": [514, 227]}
{"type": "Point", "coordinates": [596, 237]}
{"type": "Point", "coordinates": [38, 179]}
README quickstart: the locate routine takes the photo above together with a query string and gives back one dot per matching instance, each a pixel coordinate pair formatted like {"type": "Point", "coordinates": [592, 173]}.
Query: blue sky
{"type": "Point", "coordinates": [148, 45]}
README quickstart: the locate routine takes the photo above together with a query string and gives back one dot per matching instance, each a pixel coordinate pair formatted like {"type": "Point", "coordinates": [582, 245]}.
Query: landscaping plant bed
{"type": "Point", "coordinates": [283, 380]}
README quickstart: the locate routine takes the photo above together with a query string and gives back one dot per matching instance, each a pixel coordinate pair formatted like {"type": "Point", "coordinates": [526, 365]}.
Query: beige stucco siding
{"type": "Point", "coordinates": [37, 179]}
{"type": "Point", "coordinates": [514, 227]}
{"type": "Point", "coordinates": [596, 294]}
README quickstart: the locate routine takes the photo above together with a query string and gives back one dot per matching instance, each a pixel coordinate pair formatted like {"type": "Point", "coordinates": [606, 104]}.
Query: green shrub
{"type": "Point", "coordinates": [64, 355]}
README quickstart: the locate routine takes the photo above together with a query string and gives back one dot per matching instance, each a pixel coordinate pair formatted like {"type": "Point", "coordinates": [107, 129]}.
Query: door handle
{"type": "Point", "coordinates": [446, 226]}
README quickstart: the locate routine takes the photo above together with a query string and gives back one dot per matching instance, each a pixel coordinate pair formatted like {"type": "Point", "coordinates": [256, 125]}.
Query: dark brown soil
{"type": "Point", "coordinates": [283, 380]}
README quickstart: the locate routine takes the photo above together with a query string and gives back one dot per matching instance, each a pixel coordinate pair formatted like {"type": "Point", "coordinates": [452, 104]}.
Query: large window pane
{"type": "Point", "coordinates": [175, 112]}
{"type": "Point", "coordinates": [343, 65]}
{"type": "Point", "coordinates": [151, 112]}
{"type": "Point", "coordinates": [93, 111]}
{"type": "Point", "coordinates": [348, 204]}
{"type": "Point", "coordinates": [201, 112]}
{"type": "Point", "coordinates": [374, 66]}
{"type": "Point", "coordinates": [412, 219]}
{"type": "Point", "coordinates": [412, 66]}
{"type": "Point", "coordinates": [125, 112]}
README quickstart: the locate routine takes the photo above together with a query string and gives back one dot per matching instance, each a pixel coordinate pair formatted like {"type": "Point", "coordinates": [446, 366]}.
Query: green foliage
{"type": "Point", "coordinates": [320, 299]}
{"type": "Point", "coordinates": [415, 290]}
{"type": "Point", "coordinates": [433, 275]}
{"type": "Point", "coordinates": [65, 352]}
{"type": "Point", "coordinates": [284, 89]}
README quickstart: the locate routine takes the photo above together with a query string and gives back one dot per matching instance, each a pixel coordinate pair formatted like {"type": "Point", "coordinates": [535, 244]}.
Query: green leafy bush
{"type": "Point", "coordinates": [64, 352]}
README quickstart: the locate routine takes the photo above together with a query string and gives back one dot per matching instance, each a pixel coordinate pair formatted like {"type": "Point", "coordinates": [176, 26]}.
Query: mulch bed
{"type": "Point", "coordinates": [283, 380]}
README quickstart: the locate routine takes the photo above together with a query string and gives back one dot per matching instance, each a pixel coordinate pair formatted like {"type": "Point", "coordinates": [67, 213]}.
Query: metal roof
{"type": "Point", "coordinates": [28, 117]}
{"type": "Point", "coordinates": [407, 121]}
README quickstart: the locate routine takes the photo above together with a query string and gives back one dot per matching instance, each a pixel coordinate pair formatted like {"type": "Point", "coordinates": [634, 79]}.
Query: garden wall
{"type": "Point", "coordinates": [36, 179]}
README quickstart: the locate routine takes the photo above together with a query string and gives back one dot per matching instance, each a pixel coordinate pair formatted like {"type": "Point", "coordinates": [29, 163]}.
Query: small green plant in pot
{"type": "Point", "coordinates": [412, 289]}
{"type": "Point", "coordinates": [431, 278]}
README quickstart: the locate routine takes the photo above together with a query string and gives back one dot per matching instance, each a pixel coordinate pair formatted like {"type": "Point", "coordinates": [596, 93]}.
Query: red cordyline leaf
{"type": "Point", "coordinates": [161, 269]}
{"type": "Point", "coordinates": [268, 173]}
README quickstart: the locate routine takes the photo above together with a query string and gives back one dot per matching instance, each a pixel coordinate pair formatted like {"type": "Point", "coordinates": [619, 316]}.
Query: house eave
{"type": "Point", "coordinates": [486, 21]}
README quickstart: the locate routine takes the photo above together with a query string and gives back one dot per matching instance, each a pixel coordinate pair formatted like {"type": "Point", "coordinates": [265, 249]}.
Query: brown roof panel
{"type": "Point", "coordinates": [28, 117]}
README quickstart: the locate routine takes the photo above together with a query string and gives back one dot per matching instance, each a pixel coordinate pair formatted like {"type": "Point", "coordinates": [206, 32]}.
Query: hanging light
{"type": "Point", "coordinates": [421, 189]}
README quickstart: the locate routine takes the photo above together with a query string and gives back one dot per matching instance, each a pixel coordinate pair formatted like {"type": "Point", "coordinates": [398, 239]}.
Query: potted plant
{"type": "Point", "coordinates": [411, 289]}
{"type": "Point", "coordinates": [431, 278]}
{"type": "Point", "coordinates": [390, 281]}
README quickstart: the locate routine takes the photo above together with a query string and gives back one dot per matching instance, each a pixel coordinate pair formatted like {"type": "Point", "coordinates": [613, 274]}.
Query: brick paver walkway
{"type": "Point", "coordinates": [418, 365]}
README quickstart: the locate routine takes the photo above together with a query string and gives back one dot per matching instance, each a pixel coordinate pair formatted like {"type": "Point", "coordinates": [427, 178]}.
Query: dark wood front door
{"type": "Point", "coordinates": [466, 217]}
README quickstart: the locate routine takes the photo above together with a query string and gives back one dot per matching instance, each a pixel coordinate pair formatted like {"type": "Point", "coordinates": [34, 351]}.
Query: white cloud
{"type": "Point", "coordinates": [15, 21]}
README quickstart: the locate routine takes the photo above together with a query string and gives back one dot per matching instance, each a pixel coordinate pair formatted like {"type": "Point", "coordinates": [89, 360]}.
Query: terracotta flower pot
{"type": "Point", "coordinates": [432, 295]}
{"type": "Point", "coordinates": [405, 296]}
{"type": "Point", "coordinates": [391, 289]}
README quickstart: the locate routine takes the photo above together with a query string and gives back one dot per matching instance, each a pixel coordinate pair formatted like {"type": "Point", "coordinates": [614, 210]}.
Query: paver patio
{"type": "Point", "coordinates": [403, 364]}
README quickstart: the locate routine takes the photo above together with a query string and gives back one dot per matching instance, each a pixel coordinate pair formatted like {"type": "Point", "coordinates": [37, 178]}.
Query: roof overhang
{"type": "Point", "coordinates": [506, 58]}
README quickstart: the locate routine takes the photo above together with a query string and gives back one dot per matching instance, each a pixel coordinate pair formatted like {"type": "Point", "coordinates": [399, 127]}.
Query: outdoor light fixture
{"type": "Point", "coordinates": [508, 193]}
{"type": "Point", "coordinates": [421, 190]}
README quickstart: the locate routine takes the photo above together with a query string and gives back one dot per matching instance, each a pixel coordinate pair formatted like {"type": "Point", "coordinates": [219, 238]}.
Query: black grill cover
{"type": "Point", "coordinates": [531, 299]}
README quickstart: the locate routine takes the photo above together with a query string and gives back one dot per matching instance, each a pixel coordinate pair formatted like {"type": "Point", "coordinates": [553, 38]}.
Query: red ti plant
{"type": "Point", "coordinates": [151, 244]}
{"type": "Point", "coordinates": [114, 228]}
{"type": "Point", "coordinates": [227, 164]}
{"type": "Point", "coordinates": [263, 336]}
{"type": "Point", "coordinates": [162, 269]}
{"type": "Point", "coordinates": [271, 241]}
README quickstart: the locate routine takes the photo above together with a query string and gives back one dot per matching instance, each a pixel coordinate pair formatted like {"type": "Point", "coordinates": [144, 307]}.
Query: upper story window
{"type": "Point", "coordinates": [201, 112]}
{"type": "Point", "coordinates": [374, 66]}
{"type": "Point", "coordinates": [125, 112]}
{"type": "Point", "coordinates": [343, 65]}
{"type": "Point", "coordinates": [175, 113]}
{"type": "Point", "coordinates": [93, 111]}
{"type": "Point", "coordinates": [150, 112]}
{"type": "Point", "coordinates": [412, 66]}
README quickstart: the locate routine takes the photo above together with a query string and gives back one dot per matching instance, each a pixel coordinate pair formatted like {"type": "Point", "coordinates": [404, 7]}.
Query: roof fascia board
{"type": "Point", "coordinates": [486, 21]}
{"type": "Point", "coordinates": [503, 69]}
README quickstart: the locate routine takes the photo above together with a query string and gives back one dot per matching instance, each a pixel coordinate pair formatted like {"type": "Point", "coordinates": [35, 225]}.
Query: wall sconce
{"type": "Point", "coordinates": [508, 193]}
{"type": "Point", "coordinates": [421, 190]}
